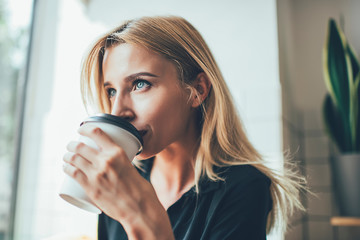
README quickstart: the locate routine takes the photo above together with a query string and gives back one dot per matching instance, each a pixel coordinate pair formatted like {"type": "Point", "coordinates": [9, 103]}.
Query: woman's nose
{"type": "Point", "coordinates": [122, 108]}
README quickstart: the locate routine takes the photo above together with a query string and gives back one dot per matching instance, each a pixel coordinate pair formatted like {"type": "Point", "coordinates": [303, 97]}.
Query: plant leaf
{"type": "Point", "coordinates": [354, 60]}
{"type": "Point", "coordinates": [353, 100]}
{"type": "Point", "coordinates": [335, 126]}
{"type": "Point", "coordinates": [353, 70]}
{"type": "Point", "coordinates": [357, 95]}
{"type": "Point", "coordinates": [335, 69]}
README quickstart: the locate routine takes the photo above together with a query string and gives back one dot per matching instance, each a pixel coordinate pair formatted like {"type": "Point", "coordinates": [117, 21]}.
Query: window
{"type": "Point", "coordinates": [15, 25]}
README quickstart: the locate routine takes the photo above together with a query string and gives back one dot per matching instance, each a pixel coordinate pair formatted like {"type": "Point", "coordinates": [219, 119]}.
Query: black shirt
{"type": "Point", "coordinates": [236, 208]}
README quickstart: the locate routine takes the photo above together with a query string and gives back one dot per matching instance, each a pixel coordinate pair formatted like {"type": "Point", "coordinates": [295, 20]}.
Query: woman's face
{"type": "Point", "coordinates": [144, 88]}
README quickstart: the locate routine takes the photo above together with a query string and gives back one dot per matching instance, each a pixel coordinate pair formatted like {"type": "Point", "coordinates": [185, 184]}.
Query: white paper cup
{"type": "Point", "coordinates": [122, 133]}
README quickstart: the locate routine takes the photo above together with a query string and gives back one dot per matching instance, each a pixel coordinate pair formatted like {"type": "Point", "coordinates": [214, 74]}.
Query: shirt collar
{"type": "Point", "coordinates": [205, 184]}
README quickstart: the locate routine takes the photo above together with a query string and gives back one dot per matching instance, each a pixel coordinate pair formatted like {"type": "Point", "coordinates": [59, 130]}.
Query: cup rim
{"type": "Point", "coordinates": [114, 120]}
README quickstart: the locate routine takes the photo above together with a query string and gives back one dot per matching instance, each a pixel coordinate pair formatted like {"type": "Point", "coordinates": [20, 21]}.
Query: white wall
{"type": "Point", "coordinates": [242, 35]}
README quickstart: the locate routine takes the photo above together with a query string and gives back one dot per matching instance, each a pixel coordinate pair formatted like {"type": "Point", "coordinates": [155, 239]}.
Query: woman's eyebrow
{"type": "Point", "coordinates": [140, 74]}
{"type": "Point", "coordinates": [134, 76]}
{"type": "Point", "coordinates": [107, 84]}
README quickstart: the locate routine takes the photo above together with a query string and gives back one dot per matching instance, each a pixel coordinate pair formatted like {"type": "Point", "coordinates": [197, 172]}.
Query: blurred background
{"type": "Point", "coordinates": [269, 51]}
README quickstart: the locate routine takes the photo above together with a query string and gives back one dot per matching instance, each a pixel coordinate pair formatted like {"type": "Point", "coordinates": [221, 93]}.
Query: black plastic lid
{"type": "Point", "coordinates": [115, 120]}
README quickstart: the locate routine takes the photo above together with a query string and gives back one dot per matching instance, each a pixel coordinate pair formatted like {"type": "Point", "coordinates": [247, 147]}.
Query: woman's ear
{"type": "Point", "coordinates": [202, 87]}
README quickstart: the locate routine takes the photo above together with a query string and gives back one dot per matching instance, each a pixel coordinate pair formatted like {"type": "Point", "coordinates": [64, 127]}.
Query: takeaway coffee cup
{"type": "Point", "coordinates": [122, 133]}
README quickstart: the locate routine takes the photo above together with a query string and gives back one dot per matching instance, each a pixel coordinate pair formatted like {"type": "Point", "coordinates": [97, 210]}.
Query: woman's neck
{"type": "Point", "coordinates": [175, 172]}
{"type": "Point", "coordinates": [172, 173]}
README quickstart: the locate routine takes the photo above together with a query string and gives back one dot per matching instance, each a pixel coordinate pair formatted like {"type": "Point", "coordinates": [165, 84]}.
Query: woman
{"type": "Point", "coordinates": [198, 176]}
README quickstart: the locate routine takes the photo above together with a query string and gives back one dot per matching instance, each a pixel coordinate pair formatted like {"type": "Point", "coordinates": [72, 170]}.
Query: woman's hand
{"type": "Point", "coordinates": [115, 186]}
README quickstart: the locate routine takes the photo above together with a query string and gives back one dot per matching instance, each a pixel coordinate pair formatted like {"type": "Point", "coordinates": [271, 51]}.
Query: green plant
{"type": "Point", "coordinates": [341, 107]}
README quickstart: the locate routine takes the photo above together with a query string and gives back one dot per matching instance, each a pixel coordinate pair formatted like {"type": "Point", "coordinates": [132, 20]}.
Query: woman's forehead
{"type": "Point", "coordinates": [127, 59]}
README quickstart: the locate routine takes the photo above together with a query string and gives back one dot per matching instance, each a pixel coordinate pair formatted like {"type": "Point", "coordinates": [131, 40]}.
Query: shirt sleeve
{"type": "Point", "coordinates": [110, 229]}
{"type": "Point", "coordinates": [242, 212]}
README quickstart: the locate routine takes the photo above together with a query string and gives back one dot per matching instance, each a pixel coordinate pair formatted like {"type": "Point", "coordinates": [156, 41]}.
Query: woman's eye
{"type": "Point", "coordinates": [141, 84]}
{"type": "Point", "coordinates": [111, 92]}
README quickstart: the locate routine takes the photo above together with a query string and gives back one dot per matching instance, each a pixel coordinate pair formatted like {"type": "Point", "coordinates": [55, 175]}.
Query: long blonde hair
{"type": "Point", "coordinates": [220, 145]}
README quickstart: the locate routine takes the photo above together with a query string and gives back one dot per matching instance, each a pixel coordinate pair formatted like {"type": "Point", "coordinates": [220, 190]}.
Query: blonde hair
{"type": "Point", "coordinates": [220, 145]}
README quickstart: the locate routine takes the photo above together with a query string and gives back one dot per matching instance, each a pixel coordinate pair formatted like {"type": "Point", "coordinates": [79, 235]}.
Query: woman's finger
{"type": "Point", "coordinates": [75, 173]}
{"type": "Point", "coordinates": [82, 149]}
{"type": "Point", "coordinates": [102, 140]}
{"type": "Point", "coordinates": [77, 161]}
